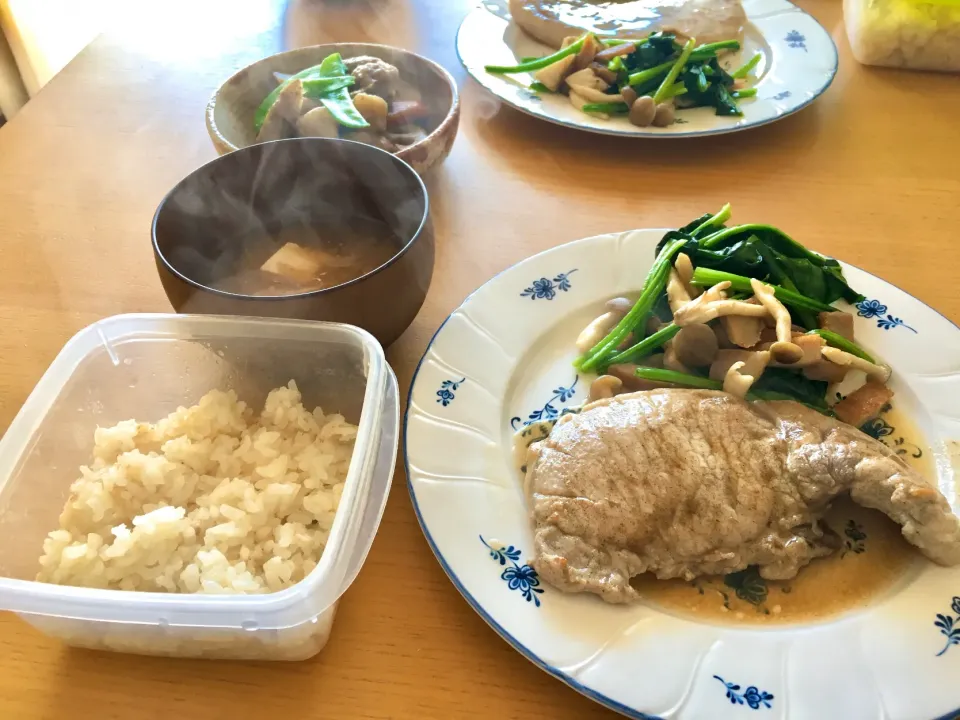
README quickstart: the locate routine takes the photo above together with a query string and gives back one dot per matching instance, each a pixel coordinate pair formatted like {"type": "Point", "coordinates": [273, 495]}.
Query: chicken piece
{"type": "Point", "coordinates": [281, 119]}
{"type": "Point", "coordinates": [682, 483]}
{"type": "Point", "coordinates": [373, 76]}
{"type": "Point", "coordinates": [863, 403]}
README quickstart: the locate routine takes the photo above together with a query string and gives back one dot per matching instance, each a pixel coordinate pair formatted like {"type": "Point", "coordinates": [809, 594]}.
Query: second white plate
{"type": "Point", "coordinates": [799, 63]}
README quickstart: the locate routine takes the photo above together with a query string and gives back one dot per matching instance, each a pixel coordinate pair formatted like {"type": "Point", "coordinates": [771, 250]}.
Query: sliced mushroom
{"type": "Point", "coordinates": [809, 345]}
{"type": "Point", "coordinates": [695, 345]}
{"type": "Point", "coordinates": [864, 403]}
{"type": "Point", "coordinates": [677, 295]}
{"type": "Point", "coordinates": [713, 304]}
{"type": "Point", "coordinates": [754, 362]}
{"type": "Point", "coordinates": [783, 350]}
{"type": "Point", "coordinates": [597, 330]}
{"type": "Point", "coordinates": [743, 331]}
{"type": "Point", "coordinates": [736, 382]}
{"type": "Point", "coordinates": [605, 386]}
{"type": "Point", "coordinates": [588, 51]}
{"type": "Point", "coordinates": [839, 322]}
{"type": "Point", "coordinates": [553, 75]}
{"type": "Point", "coordinates": [586, 79]}
{"type": "Point", "coordinates": [374, 110]}
{"type": "Point", "coordinates": [845, 359]}
{"type": "Point", "coordinates": [610, 53]}
{"type": "Point", "coordinates": [825, 370]}
{"type": "Point", "coordinates": [604, 73]}
{"type": "Point", "coordinates": [318, 123]}
{"type": "Point", "coordinates": [281, 119]}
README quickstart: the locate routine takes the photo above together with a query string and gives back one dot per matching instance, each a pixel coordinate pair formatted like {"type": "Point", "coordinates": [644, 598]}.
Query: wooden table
{"type": "Point", "coordinates": [870, 173]}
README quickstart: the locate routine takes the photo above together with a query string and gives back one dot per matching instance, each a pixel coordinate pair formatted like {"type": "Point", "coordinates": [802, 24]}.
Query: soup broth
{"type": "Point", "coordinates": [302, 259]}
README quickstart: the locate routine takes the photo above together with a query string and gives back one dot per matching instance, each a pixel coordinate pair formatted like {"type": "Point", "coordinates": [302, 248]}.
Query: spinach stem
{"type": "Point", "coordinates": [677, 378]}
{"type": "Point", "coordinates": [707, 277]}
{"type": "Point", "coordinates": [674, 71]}
{"type": "Point", "coordinates": [653, 286]}
{"type": "Point", "coordinates": [841, 343]}
{"type": "Point", "coordinates": [646, 346]}
{"type": "Point", "coordinates": [539, 63]}
{"type": "Point", "coordinates": [744, 70]}
{"type": "Point", "coordinates": [717, 220]}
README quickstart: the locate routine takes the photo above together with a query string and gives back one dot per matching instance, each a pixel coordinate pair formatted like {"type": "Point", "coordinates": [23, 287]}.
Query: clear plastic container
{"type": "Point", "coordinates": [920, 35]}
{"type": "Point", "coordinates": [144, 367]}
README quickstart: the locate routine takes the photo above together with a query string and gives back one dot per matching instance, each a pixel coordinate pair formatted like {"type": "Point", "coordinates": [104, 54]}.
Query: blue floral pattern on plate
{"type": "Point", "coordinates": [876, 309]}
{"type": "Point", "coordinates": [949, 626]}
{"type": "Point", "coordinates": [546, 289]}
{"type": "Point", "coordinates": [445, 395]}
{"type": "Point", "coordinates": [518, 577]}
{"type": "Point", "coordinates": [752, 697]}
{"type": "Point", "coordinates": [796, 40]}
{"type": "Point", "coordinates": [548, 411]}
{"type": "Point", "coordinates": [782, 95]}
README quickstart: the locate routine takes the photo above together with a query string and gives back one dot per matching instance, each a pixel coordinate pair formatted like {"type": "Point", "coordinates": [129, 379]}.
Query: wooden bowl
{"type": "Point", "coordinates": [231, 109]}
{"type": "Point", "coordinates": [219, 217]}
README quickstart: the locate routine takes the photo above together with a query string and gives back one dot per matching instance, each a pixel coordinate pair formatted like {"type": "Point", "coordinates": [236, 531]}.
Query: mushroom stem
{"type": "Point", "coordinates": [713, 304]}
{"type": "Point", "coordinates": [736, 382]}
{"type": "Point", "coordinates": [677, 295]}
{"type": "Point", "coordinates": [784, 350]}
{"type": "Point", "coordinates": [845, 359]}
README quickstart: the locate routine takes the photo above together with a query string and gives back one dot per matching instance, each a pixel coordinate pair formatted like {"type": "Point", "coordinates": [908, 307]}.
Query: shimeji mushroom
{"type": "Point", "coordinates": [597, 330]}
{"type": "Point", "coordinates": [845, 359]}
{"type": "Point", "coordinates": [677, 293]}
{"type": "Point", "coordinates": [695, 345]}
{"type": "Point", "coordinates": [684, 266]}
{"type": "Point", "coordinates": [713, 304]}
{"type": "Point", "coordinates": [809, 345]}
{"type": "Point", "coordinates": [754, 363]}
{"type": "Point", "coordinates": [605, 386]}
{"type": "Point", "coordinates": [736, 382]}
{"type": "Point", "coordinates": [281, 119]}
{"type": "Point", "coordinates": [784, 350]}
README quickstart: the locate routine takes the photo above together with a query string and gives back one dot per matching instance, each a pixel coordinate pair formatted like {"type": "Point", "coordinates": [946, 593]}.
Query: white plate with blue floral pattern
{"type": "Point", "coordinates": [504, 358]}
{"type": "Point", "coordinates": [799, 63]}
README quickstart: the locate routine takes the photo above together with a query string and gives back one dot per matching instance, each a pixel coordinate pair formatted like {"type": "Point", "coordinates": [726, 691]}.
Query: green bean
{"type": "Point", "coordinates": [745, 93]}
{"type": "Point", "coordinates": [539, 63]}
{"type": "Point", "coordinates": [841, 343]}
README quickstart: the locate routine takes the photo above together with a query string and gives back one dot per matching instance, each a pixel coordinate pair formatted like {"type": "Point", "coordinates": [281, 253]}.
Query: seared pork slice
{"type": "Point", "coordinates": [682, 483]}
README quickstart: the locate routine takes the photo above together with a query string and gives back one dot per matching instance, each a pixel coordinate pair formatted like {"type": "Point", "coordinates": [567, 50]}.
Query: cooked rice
{"type": "Point", "coordinates": [211, 499]}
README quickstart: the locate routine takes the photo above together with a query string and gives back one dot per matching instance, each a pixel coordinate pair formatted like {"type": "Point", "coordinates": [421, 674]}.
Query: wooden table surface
{"type": "Point", "coordinates": [870, 173]}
